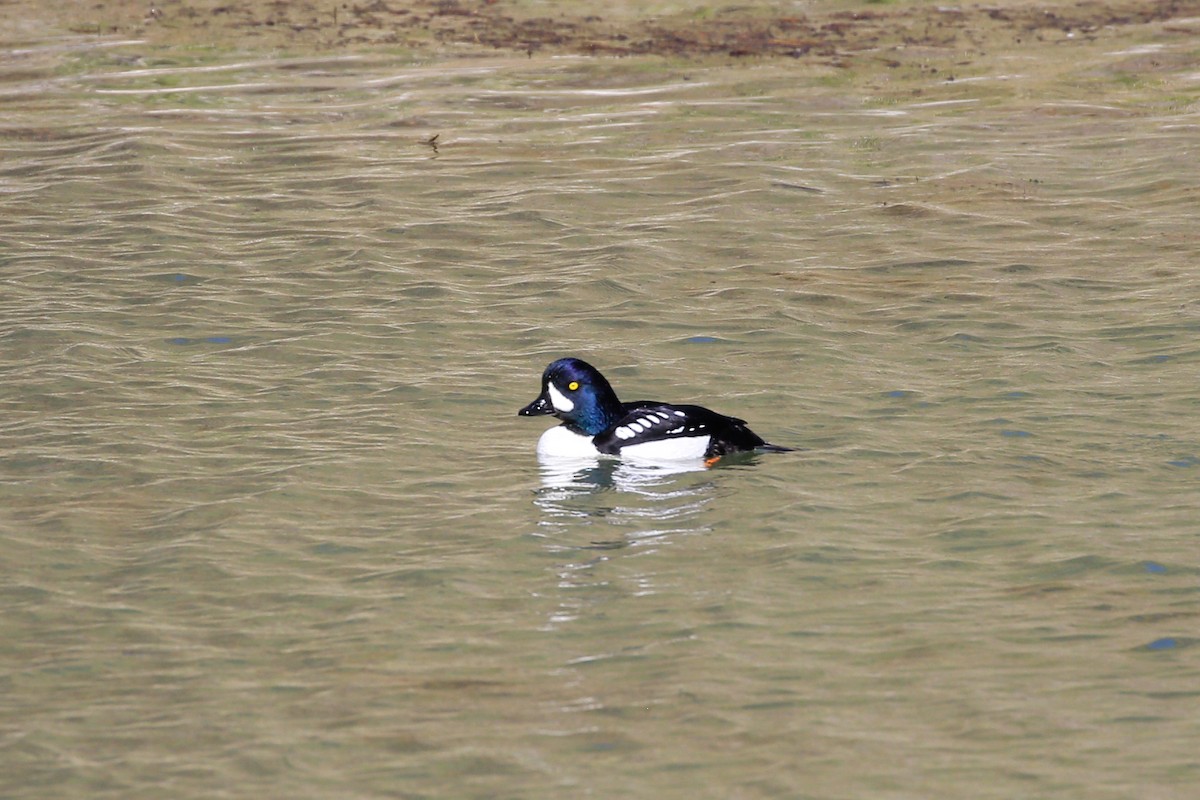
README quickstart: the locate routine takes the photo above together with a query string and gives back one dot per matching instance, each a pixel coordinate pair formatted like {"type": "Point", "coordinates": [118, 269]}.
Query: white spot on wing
{"type": "Point", "coordinates": [636, 428]}
{"type": "Point", "coordinates": [623, 432]}
{"type": "Point", "coordinates": [680, 414]}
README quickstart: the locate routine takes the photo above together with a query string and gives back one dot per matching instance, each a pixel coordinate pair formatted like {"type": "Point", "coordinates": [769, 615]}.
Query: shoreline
{"type": "Point", "coordinates": [824, 33]}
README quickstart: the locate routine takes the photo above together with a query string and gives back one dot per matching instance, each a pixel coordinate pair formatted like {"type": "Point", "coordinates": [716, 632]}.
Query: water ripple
{"type": "Point", "coordinates": [266, 501]}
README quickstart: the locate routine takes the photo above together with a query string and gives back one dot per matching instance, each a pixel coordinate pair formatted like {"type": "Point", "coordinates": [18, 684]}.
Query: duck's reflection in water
{"type": "Point", "coordinates": [605, 522]}
{"type": "Point", "coordinates": [597, 513]}
{"type": "Point", "coordinates": [634, 502]}
{"type": "Point", "coordinates": [603, 472]}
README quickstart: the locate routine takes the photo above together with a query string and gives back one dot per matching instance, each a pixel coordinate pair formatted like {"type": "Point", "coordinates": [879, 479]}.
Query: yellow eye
{"type": "Point", "coordinates": [573, 385]}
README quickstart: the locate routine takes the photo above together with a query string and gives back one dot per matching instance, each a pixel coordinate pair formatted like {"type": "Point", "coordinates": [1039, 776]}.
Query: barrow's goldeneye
{"type": "Point", "coordinates": [595, 422]}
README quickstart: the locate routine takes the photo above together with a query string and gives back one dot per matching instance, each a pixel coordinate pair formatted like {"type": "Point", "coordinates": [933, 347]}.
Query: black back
{"type": "Point", "coordinates": [659, 421]}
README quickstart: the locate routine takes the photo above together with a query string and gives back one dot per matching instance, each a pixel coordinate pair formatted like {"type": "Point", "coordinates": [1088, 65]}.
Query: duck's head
{"type": "Point", "coordinates": [575, 392]}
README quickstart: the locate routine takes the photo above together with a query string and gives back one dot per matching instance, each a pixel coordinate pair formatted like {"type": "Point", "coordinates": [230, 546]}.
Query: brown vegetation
{"type": "Point", "coordinates": [829, 32]}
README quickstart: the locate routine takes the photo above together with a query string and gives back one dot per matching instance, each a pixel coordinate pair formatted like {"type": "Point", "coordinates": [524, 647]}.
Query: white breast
{"type": "Point", "coordinates": [561, 442]}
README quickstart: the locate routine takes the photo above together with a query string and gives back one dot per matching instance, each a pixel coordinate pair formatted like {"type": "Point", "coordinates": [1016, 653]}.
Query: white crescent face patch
{"type": "Point", "coordinates": [558, 399]}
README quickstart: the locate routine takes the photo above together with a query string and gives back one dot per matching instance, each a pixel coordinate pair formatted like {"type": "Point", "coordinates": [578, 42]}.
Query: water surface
{"type": "Point", "coordinates": [269, 524]}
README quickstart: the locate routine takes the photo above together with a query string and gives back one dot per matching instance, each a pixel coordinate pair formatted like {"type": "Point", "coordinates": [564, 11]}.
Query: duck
{"type": "Point", "coordinates": [596, 423]}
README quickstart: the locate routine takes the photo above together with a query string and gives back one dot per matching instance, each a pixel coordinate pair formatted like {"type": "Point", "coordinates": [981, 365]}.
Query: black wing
{"type": "Point", "coordinates": [645, 421]}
